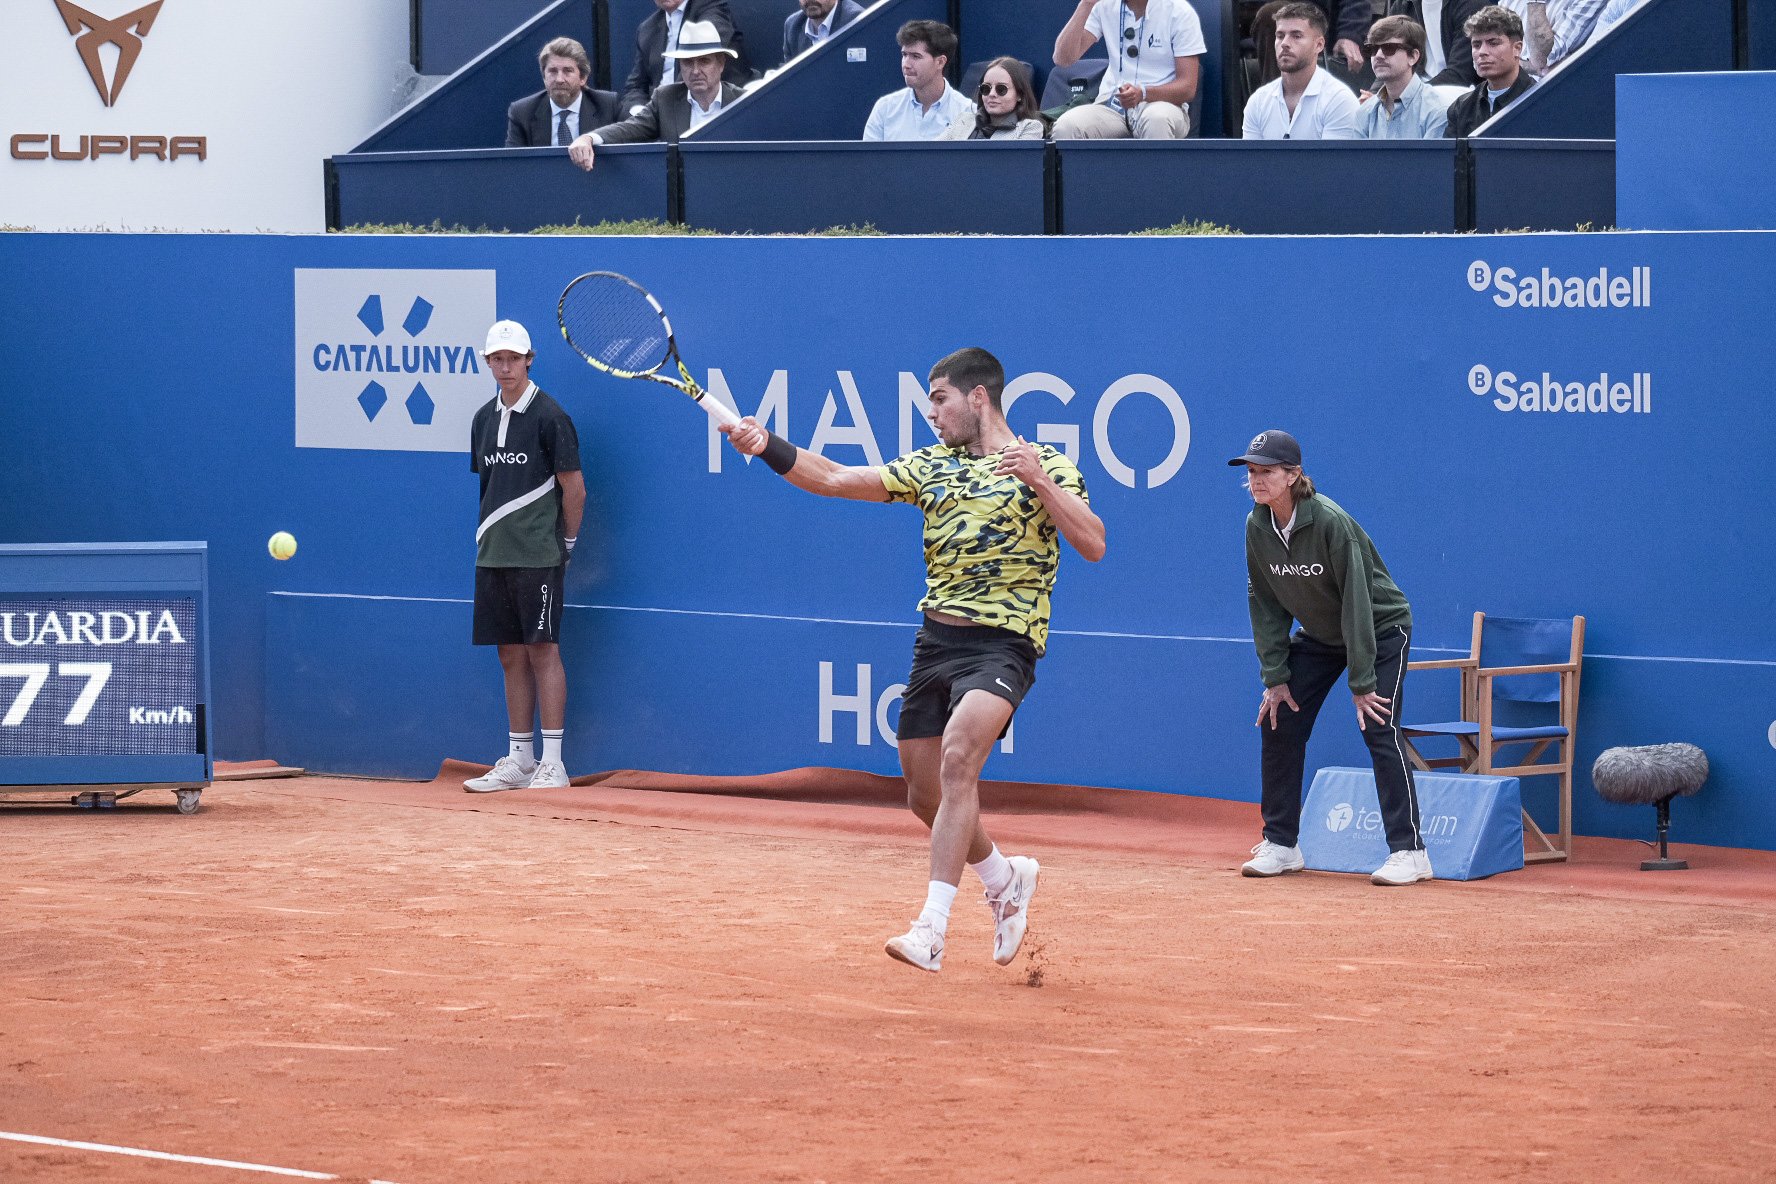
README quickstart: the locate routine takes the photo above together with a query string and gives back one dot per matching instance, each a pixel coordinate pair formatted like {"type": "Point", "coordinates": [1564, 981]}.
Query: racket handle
{"type": "Point", "coordinates": [717, 410]}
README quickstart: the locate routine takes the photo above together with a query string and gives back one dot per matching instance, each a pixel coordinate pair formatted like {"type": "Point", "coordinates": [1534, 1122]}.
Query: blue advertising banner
{"type": "Point", "coordinates": [1532, 425]}
{"type": "Point", "coordinates": [1472, 825]}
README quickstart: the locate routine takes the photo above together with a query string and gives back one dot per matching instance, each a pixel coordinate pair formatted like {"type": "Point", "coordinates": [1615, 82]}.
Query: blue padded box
{"type": "Point", "coordinates": [1472, 825]}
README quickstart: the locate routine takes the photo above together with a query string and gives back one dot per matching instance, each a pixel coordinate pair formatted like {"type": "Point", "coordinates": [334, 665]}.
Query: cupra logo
{"type": "Point", "coordinates": [125, 32]}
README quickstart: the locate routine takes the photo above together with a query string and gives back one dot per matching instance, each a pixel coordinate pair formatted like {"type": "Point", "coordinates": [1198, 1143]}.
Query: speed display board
{"type": "Point", "coordinates": [104, 669]}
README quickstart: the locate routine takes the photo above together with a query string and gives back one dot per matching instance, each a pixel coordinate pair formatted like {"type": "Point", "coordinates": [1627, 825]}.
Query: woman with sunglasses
{"type": "Point", "coordinates": [1006, 107]}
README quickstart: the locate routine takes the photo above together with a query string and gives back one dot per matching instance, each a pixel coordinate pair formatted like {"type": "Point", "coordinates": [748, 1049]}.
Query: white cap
{"type": "Point", "coordinates": [507, 335]}
{"type": "Point", "coordinates": [698, 38]}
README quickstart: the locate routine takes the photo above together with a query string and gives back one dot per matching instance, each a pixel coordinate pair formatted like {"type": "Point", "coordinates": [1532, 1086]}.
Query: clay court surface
{"type": "Point", "coordinates": [385, 981]}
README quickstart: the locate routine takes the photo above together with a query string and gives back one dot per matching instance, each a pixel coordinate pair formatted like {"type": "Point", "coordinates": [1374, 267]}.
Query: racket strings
{"type": "Point", "coordinates": [614, 325]}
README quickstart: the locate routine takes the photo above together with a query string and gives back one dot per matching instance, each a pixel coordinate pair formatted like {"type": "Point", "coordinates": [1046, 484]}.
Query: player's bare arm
{"type": "Point", "coordinates": [816, 474]}
{"type": "Point", "coordinates": [1083, 529]}
{"type": "Point", "coordinates": [573, 500]}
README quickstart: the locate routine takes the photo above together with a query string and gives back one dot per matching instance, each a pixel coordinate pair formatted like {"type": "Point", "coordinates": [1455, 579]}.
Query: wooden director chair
{"type": "Point", "coordinates": [1519, 687]}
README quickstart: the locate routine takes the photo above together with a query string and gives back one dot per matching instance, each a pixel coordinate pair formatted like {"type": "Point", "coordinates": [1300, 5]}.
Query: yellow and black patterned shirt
{"type": "Point", "coordinates": [991, 549]}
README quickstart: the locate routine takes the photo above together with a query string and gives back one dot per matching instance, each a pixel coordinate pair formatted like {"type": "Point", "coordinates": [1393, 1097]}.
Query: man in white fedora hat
{"type": "Point", "coordinates": [677, 107]}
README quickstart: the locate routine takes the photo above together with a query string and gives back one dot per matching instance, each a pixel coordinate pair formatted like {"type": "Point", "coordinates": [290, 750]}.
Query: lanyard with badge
{"type": "Point", "coordinates": [1135, 35]}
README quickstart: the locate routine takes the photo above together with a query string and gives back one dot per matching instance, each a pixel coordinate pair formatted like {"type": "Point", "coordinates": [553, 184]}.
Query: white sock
{"type": "Point", "coordinates": [994, 871]}
{"type": "Point", "coordinates": [552, 745]}
{"type": "Point", "coordinates": [939, 896]}
{"type": "Point", "coordinates": [521, 751]}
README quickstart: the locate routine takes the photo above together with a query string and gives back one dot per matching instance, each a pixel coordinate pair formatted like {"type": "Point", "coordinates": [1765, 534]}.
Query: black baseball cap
{"type": "Point", "coordinates": [1270, 448]}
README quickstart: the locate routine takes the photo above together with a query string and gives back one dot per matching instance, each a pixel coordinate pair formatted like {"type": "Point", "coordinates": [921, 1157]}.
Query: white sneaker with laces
{"type": "Point", "coordinates": [507, 773]}
{"type": "Point", "coordinates": [919, 946]}
{"type": "Point", "coordinates": [549, 775]}
{"type": "Point", "coordinates": [1403, 867]}
{"type": "Point", "coordinates": [1011, 908]}
{"type": "Point", "coordinates": [1270, 859]}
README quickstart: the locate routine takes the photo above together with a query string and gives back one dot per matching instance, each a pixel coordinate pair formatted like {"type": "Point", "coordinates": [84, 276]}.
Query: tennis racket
{"type": "Point", "coordinates": [617, 325]}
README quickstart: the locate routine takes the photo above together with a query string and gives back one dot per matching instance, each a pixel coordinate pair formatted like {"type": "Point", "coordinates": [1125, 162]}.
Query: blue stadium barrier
{"type": "Point", "coordinates": [1543, 184]}
{"type": "Point", "coordinates": [468, 110]}
{"type": "Point", "coordinates": [1696, 151]}
{"type": "Point", "coordinates": [1027, 29]}
{"type": "Point", "coordinates": [690, 555]}
{"type": "Point", "coordinates": [1577, 101]}
{"type": "Point", "coordinates": [1757, 36]}
{"type": "Point", "coordinates": [825, 95]}
{"type": "Point", "coordinates": [979, 188]}
{"type": "Point", "coordinates": [448, 34]}
{"type": "Point", "coordinates": [514, 189]}
{"type": "Point", "coordinates": [1119, 186]}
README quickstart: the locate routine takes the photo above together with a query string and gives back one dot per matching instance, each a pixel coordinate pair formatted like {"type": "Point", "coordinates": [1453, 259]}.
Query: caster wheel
{"type": "Point", "coordinates": [188, 799]}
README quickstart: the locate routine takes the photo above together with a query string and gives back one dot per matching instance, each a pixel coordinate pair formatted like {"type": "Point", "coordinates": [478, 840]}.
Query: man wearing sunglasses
{"type": "Point", "coordinates": [1151, 81]}
{"type": "Point", "coordinates": [1404, 106]}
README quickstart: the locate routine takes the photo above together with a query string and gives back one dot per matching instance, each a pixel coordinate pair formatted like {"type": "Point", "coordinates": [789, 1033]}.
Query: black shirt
{"type": "Point", "coordinates": [518, 451]}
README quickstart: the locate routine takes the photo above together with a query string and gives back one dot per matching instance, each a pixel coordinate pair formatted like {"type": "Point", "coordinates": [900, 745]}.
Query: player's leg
{"type": "Point", "coordinates": [497, 623]}
{"type": "Point", "coordinates": [921, 763]}
{"type": "Point", "coordinates": [539, 599]}
{"type": "Point", "coordinates": [1313, 670]}
{"type": "Point", "coordinates": [1408, 861]}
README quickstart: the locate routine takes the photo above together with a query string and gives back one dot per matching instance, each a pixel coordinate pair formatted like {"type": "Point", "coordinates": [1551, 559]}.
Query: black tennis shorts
{"type": "Point", "coordinates": [951, 660]}
{"type": "Point", "coordinates": [517, 605]}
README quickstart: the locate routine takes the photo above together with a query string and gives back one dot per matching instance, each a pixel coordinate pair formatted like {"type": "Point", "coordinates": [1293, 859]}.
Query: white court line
{"type": "Point", "coordinates": [703, 612]}
{"type": "Point", "coordinates": [171, 1158]}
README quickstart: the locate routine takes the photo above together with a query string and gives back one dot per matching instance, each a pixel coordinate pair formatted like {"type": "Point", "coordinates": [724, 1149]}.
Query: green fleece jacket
{"type": "Point", "coordinates": [1329, 578]}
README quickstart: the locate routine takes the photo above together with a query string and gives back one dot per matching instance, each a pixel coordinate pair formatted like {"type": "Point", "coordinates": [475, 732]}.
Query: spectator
{"type": "Point", "coordinates": [1448, 59]}
{"type": "Point", "coordinates": [817, 20]}
{"type": "Point", "coordinates": [1553, 30]}
{"type": "Point", "coordinates": [660, 32]}
{"type": "Point", "coordinates": [1613, 14]}
{"type": "Point", "coordinates": [677, 107]}
{"type": "Point", "coordinates": [565, 106]}
{"type": "Point", "coordinates": [1495, 34]}
{"type": "Point", "coordinates": [1151, 82]}
{"type": "Point", "coordinates": [1304, 102]}
{"type": "Point", "coordinates": [1008, 107]}
{"type": "Point", "coordinates": [1348, 22]}
{"type": "Point", "coordinates": [928, 105]}
{"type": "Point", "coordinates": [1404, 106]}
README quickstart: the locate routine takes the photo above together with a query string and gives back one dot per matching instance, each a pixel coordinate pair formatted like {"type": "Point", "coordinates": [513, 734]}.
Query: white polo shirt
{"type": "Point", "coordinates": [1170, 30]}
{"type": "Point", "coordinates": [1327, 110]}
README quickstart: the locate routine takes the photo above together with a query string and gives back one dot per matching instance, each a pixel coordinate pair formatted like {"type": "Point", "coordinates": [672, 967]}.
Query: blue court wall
{"type": "Point", "coordinates": [723, 622]}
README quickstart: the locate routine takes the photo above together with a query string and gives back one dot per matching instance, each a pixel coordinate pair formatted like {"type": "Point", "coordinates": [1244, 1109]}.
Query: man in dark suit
{"type": "Point", "coordinates": [565, 106]}
{"type": "Point", "coordinates": [1449, 36]}
{"type": "Point", "coordinates": [677, 107]}
{"type": "Point", "coordinates": [817, 20]}
{"type": "Point", "coordinates": [660, 32]}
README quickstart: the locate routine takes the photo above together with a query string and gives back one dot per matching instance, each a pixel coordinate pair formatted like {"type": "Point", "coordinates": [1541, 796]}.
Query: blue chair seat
{"type": "Point", "coordinates": [1463, 728]}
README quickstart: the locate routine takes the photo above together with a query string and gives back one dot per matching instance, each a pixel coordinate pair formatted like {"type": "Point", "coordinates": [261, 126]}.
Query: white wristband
{"type": "Point", "coordinates": [570, 543]}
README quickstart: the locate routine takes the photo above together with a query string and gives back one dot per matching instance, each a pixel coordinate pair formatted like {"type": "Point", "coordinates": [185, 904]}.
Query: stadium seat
{"type": "Point", "coordinates": [1068, 84]}
{"type": "Point", "coordinates": [1519, 686]}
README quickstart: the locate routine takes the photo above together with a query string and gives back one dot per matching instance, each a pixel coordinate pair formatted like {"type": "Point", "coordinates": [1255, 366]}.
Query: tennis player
{"type": "Point", "coordinates": [995, 511]}
{"type": "Point", "coordinates": [532, 496]}
{"type": "Point", "coordinates": [1309, 563]}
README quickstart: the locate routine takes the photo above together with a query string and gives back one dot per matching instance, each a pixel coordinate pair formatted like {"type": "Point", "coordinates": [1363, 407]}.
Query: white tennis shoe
{"type": "Point", "coordinates": [507, 773]}
{"type": "Point", "coordinates": [1271, 859]}
{"type": "Point", "coordinates": [1011, 908]}
{"type": "Point", "coordinates": [1403, 867]}
{"type": "Point", "coordinates": [919, 946]}
{"type": "Point", "coordinates": [549, 775]}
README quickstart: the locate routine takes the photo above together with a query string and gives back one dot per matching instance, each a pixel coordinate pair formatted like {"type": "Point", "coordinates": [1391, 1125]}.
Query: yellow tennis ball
{"type": "Point", "coordinates": [282, 545]}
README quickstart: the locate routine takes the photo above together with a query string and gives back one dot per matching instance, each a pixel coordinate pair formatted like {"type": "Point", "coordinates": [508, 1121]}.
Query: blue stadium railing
{"type": "Point", "coordinates": [449, 34]}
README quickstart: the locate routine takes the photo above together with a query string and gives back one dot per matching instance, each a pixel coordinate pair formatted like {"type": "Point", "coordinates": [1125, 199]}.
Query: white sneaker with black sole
{"type": "Point", "coordinates": [1270, 859]}
{"type": "Point", "coordinates": [507, 773]}
{"type": "Point", "coordinates": [919, 946]}
{"type": "Point", "coordinates": [1403, 867]}
{"type": "Point", "coordinates": [1011, 908]}
{"type": "Point", "coordinates": [549, 775]}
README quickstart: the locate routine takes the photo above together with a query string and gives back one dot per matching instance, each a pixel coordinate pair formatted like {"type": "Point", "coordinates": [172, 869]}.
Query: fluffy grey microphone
{"type": "Point", "coordinates": [1648, 775]}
